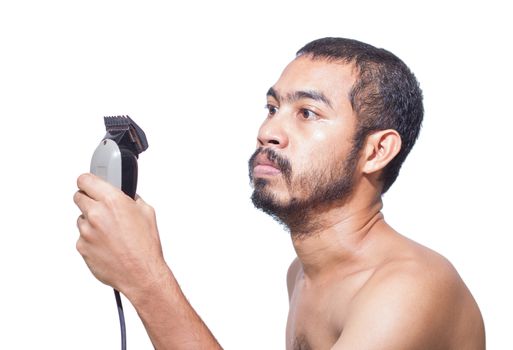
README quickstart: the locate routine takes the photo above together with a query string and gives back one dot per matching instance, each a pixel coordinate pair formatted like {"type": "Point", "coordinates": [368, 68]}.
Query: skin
{"type": "Point", "coordinates": [120, 244]}
{"type": "Point", "coordinates": [356, 283]}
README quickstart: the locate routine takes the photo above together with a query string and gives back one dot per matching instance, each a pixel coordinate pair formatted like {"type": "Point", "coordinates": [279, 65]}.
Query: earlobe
{"type": "Point", "coordinates": [381, 147]}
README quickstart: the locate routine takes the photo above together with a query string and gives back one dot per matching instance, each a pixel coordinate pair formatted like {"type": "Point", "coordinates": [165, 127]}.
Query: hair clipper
{"type": "Point", "coordinates": [115, 160]}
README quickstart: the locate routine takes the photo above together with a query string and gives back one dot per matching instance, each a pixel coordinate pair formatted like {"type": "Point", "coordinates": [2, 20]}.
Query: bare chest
{"type": "Point", "coordinates": [311, 324]}
{"type": "Point", "coordinates": [317, 314]}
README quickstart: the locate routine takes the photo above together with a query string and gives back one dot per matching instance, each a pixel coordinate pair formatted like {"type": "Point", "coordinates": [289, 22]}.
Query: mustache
{"type": "Point", "coordinates": [281, 162]}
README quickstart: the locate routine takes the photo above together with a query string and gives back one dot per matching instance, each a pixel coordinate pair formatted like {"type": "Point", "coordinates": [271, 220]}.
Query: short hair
{"type": "Point", "coordinates": [385, 95]}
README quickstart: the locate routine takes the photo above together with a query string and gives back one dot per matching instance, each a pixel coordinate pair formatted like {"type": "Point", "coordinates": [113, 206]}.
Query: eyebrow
{"type": "Point", "coordinates": [298, 95]}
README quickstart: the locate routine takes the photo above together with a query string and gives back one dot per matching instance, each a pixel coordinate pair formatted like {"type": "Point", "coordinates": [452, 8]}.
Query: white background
{"type": "Point", "coordinates": [194, 76]}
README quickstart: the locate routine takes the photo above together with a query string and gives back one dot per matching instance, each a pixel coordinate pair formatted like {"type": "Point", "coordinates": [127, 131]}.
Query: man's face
{"type": "Point", "coordinates": [305, 156]}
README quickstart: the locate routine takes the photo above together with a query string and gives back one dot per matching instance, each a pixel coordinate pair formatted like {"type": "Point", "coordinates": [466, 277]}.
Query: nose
{"type": "Point", "coordinates": [273, 133]}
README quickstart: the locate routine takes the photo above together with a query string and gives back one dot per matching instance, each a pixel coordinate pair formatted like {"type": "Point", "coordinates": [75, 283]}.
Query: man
{"type": "Point", "coordinates": [341, 120]}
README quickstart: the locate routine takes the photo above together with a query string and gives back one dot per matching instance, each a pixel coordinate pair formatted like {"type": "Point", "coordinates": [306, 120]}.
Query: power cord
{"type": "Point", "coordinates": [121, 319]}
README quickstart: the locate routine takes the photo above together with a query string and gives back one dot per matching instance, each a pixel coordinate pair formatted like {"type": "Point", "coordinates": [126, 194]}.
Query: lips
{"type": "Point", "coordinates": [265, 167]}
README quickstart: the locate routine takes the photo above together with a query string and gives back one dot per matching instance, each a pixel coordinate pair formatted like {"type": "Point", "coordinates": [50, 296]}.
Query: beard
{"type": "Point", "coordinates": [322, 188]}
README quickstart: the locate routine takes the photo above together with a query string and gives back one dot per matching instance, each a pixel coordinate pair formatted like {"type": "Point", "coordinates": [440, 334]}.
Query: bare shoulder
{"type": "Point", "coordinates": [415, 300]}
{"type": "Point", "coordinates": [292, 275]}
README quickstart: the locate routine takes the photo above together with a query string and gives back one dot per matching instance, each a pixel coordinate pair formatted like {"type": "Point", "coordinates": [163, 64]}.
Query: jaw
{"type": "Point", "coordinates": [305, 205]}
{"type": "Point", "coordinates": [271, 192]}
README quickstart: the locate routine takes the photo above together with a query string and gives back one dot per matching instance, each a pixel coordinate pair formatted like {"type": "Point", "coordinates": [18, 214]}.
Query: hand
{"type": "Point", "coordinates": [119, 240]}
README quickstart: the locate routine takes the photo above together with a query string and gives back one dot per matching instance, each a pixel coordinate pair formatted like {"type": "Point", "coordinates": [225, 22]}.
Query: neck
{"type": "Point", "coordinates": [338, 238]}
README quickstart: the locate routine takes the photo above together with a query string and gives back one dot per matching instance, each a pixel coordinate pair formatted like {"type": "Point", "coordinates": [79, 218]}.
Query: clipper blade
{"type": "Point", "coordinates": [126, 133]}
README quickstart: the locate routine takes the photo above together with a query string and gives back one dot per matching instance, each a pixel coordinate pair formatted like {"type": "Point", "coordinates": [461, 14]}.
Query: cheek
{"type": "Point", "coordinates": [322, 142]}
{"type": "Point", "coordinates": [319, 136]}
{"type": "Point", "coordinates": [313, 147]}
{"type": "Point", "coordinates": [325, 145]}
{"type": "Point", "coordinates": [320, 152]}
{"type": "Point", "coordinates": [310, 157]}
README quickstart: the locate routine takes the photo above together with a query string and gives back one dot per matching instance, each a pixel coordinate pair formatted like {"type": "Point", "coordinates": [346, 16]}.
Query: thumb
{"type": "Point", "coordinates": [138, 199]}
{"type": "Point", "coordinates": [144, 206]}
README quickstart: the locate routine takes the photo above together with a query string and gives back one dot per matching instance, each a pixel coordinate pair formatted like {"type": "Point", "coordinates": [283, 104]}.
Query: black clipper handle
{"type": "Point", "coordinates": [129, 171]}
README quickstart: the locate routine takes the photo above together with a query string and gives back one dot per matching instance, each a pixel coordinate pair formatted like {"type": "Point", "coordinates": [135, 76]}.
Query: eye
{"type": "Point", "coordinates": [272, 110]}
{"type": "Point", "coordinates": [308, 114]}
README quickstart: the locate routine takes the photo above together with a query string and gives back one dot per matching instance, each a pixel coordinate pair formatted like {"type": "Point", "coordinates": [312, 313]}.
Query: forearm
{"type": "Point", "coordinates": [120, 243]}
{"type": "Point", "coordinates": [170, 320]}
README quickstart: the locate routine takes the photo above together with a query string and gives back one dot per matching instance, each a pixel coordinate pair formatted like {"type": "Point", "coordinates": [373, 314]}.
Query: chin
{"type": "Point", "coordinates": [264, 197]}
{"type": "Point", "coordinates": [272, 188]}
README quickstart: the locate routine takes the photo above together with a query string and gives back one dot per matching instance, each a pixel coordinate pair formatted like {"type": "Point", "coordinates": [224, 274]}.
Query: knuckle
{"type": "Point", "coordinates": [112, 199]}
{"type": "Point", "coordinates": [80, 220]}
{"type": "Point", "coordinates": [94, 216]}
{"type": "Point", "coordinates": [150, 209]}
{"type": "Point", "coordinates": [86, 232]}
{"type": "Point", "coordinates": [81, 180]}
{"type": "Point", "coordinates": [76, 197]}
{"type": "Point", "coordinates": [148, 213]}
{"type": "Point", "coordinates": [80, 246]}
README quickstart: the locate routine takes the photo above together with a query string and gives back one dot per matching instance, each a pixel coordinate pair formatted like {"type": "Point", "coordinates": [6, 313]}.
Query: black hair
{"type": "Point", "coordinates": [386, 94]}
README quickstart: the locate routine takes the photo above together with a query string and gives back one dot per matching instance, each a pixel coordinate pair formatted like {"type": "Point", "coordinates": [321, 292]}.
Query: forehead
{"type": "Point", "coordinates": [333, 79]}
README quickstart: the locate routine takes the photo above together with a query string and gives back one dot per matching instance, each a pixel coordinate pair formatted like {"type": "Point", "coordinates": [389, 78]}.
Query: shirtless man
{"type": "Point", "coordinates": [341, 119]}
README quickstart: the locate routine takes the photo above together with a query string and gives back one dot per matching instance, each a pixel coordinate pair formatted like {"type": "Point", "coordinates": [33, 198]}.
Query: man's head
{"type": "Point", "coordinates": [341, 112]}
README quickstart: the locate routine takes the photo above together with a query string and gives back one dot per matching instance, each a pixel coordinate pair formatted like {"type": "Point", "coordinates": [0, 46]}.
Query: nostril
{"type": "Point", "coordinates": [274, 142]}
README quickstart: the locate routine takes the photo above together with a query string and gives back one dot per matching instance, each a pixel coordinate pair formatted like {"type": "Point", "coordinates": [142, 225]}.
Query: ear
{"type": "Point", "coordinates": [380, 148]}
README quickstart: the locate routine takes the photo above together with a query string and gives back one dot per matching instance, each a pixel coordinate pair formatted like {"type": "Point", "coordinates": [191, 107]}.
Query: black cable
{"type": "Point", "coordinates": [121, 319]}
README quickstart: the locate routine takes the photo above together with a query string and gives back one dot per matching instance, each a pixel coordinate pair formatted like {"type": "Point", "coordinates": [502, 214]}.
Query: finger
{"type": "Point", "coordinates": [82, 247]}
{"type": "Point", "coordinates": [140, 202]}
{"type": "Point", "coordinates": [95, 187]}
{"type": "Point", "coordinates": [138, 199]}
{"type": "Point", "coordinates": [81, 222]}
{"type": "Point", "coordinates": [83, 201]}
{"type": "Point", "coordinates": [84, 228]}
{"type": "Point", "coordinates": [148, 209]}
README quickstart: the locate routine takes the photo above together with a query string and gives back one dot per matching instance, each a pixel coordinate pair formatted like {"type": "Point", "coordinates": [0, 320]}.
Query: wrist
{"type": "Point", "coordinates": [160, 282]}
{"type": "Point", "coordinates": [169, 319]}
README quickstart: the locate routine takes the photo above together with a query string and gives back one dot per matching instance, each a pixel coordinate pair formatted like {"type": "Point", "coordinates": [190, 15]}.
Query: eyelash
{"type": "Point", "coordinates": [303, 110]}
{"type": "Point", "coordinates": [272, 110]}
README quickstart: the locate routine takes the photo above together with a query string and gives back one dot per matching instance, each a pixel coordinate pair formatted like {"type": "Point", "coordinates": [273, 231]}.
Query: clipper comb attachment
{"type": "Point", "coordinates": [126, 133]}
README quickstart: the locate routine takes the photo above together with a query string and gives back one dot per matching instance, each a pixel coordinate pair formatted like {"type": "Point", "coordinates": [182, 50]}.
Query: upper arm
{"type": "Point", "coordinates": [292, 275]}
{"type": "Point", "coordinates": [403, 310]}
